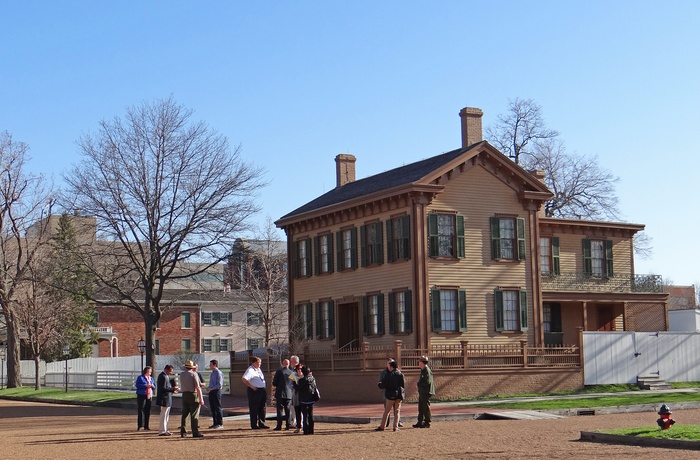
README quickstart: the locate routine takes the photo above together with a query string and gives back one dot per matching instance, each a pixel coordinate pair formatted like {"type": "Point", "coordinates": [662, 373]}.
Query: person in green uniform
{"type": "Point", "coordinates": [426, 389]}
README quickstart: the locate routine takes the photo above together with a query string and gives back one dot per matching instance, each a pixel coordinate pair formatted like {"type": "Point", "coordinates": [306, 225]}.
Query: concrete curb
{"type": "Point", "coordinates": [641, 441]}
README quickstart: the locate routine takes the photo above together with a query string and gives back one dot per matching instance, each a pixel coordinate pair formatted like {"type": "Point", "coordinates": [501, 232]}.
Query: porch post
{"type": "Point", "coordinates": [465, 358]}
{"type": "Point", "coordinates": [523, 346]}
{"type": "Point", "coordinates": [397, 351]}
{"type": "Point", "coordinates": [365, 352]}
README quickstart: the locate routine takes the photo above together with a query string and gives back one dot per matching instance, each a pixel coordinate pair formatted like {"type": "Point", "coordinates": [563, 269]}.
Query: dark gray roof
{"type": "Point", "coordinates": [402, 175]}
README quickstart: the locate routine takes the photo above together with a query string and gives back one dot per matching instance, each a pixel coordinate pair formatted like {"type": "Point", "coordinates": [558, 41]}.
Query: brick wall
{"type": "Point", "coordinates": [129, 327]}
{"type": "Point", "coordinates": [361, 387]}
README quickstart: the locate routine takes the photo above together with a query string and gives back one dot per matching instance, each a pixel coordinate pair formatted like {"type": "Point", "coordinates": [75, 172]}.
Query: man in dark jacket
{"type": "Point", "coordinates": [426, 389]}
{"type": "Point", "coordinates": [164, 399]}
{"type": "Point", "coordinates": [284, 389]}
{"type": "Point", "coordinates": [394, 392]}
{"type": "Point", "coordinates": [382, 375]}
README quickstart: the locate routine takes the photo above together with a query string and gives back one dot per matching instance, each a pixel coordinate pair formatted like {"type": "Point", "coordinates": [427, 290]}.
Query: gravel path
{"type": "Point", "coordinates": [46, 431]}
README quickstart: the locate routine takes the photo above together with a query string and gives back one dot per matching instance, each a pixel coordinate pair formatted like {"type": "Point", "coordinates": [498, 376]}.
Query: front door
{"type": "Point", "coordinates": [348, 326]}
{"type": "Point", "coordinates": [606, 318]}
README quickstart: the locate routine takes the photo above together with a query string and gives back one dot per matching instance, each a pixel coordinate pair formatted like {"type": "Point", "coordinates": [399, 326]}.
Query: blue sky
{"type": "Point", "coordinates": [296, 83]}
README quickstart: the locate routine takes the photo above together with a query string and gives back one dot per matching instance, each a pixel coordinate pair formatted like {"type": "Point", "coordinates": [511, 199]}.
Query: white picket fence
{"type": "Point", "coordinates": [620, 357]}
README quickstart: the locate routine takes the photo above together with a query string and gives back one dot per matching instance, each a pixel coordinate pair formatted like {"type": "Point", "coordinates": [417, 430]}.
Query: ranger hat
{"type": "Point", "coordinates": [423, 359]}
{"type": "Point", "coordinates": [189, 364]}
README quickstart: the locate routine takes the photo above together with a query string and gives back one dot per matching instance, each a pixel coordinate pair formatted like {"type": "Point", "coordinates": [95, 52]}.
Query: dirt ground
{"type": "Point", "coordinates": [46, 431]}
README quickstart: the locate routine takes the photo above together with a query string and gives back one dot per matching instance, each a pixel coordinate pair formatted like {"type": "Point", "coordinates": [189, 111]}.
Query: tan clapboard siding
{"type": "Point", "coordinates": [478, 195]}
{"type": "Point", "coordinates": [622, 255]}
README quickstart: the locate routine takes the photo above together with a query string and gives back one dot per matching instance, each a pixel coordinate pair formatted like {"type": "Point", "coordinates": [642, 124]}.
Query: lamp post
{"type": "Point", "coordinates": [142, 349]}
{"type": "Point", "coordinates": [66, 354]}
{"type": "Point", "coordinates": [2, 366]}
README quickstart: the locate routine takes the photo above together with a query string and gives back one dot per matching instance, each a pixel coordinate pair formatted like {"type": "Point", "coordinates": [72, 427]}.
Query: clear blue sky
{"type": "Point", "coordinates": [296, 83]}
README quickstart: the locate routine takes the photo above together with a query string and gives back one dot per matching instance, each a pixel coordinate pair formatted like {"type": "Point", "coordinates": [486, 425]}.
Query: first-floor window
{"type": "Point", "coordinates": [325, 327]}
{"type": "Point", "coordinates": [373, 314]}
{"type": "Point", "coordinates": [254, 343]}
{"type": "Point", "coordinates": [216, 345]}
{"type": "Point", "coordinates": [511, 310]}
{"type": "Point", "coordinates": [400, 317]}
{"type": "Point", "coordinates": [448, 310]}
{"type": "Point", "coordinates": [303, 326]}
{"type": "Point", "coordinates": [186, 344]}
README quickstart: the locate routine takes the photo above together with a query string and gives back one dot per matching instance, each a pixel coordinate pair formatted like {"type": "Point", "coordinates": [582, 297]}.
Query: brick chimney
{"type": "Point", "coordinates": [471, 126]}
{"type": "Point", "coordinates": [344, 169]}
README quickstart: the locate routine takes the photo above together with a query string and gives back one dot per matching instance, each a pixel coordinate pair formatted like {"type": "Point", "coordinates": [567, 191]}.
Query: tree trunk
{"type": "Point", "coordinates": [37, 377]}
{"type": "Point", "coordinates": [149, 337]}
{"type": "Point", "coordinates": [14, 377]}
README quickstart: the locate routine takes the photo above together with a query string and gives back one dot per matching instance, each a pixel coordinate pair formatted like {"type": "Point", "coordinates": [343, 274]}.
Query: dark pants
{"type": "Point", "coordinates": [423, 408]}
{"type": "Point", "coordinates": [144, 406]}
{"type": "Point", "coordinates": [217, 412]}
{"type": "Point", "coordinates": [283, 406]}
{"type": "Point", "coordinates": [190, 407]}
{"type": "Point", "coordinates": [257, 401]}
{"type": "Point", "coordinates": [307, 413]}
{"type": "Point", "coordinates": [297, 413]}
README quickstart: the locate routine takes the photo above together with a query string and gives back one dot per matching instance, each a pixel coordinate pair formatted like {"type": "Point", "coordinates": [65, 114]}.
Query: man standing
{"type": "Point", "coordinates": [294, 417]}
{"type": "Point", "coordinates": [164, 399]}
{"type": "Point", "coordinates": [216, 382]}
{"type": "Point", "coordinates": [284, 389]}
{"type": "Point", "coordinates": [426, 389]}
{"type": "Point", "coordinates": [192, 400]}
{"type": "Point", "coordinates": [254, 379]}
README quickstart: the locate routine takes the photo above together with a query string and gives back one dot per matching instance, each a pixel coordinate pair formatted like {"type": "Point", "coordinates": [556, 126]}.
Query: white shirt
{"type": "Point", "coordinates": [255, 377]}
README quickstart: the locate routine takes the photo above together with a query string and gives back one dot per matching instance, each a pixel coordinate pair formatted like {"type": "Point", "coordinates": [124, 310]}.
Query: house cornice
{"type": "Point", "coordinates": [589, 227]}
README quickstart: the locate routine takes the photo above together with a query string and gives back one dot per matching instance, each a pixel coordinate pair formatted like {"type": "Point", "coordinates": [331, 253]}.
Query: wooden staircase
{"type": "Point", "coordinates": [652, 382]}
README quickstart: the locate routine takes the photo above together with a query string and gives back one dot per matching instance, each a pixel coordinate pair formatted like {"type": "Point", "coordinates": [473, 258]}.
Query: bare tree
{"type": "Point", "coordinates": [258, 268]}
{"type": "Point", "coordinates": [24, 200]}
{"type": "Point", "coordinates": [166, 192]}
{"type": "Point", "coordinates": [517, 132]}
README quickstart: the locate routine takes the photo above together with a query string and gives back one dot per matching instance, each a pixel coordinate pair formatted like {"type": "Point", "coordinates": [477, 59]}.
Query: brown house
{"type": "Point", "coordinates": [455, 249]}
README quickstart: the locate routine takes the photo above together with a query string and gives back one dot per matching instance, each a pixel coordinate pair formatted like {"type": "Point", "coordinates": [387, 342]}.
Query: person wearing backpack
{"type": "Point", "coordinates": [308, 395]}
{"type": "Point", "coordinates": [394, 392]}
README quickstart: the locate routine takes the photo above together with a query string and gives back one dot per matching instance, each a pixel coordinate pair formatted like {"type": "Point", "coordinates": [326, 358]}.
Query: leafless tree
{"type": "Point", "coordinates": [258, 269]}
{"type": "Point", "coordinates": [24, 201]}
{"type": "Point", "coordinates": [166, 192]}
{"type": "Point", "coordinates": [517, 132]}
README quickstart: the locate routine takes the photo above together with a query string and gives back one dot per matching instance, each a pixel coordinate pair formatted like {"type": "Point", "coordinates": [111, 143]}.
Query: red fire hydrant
{"type": "Point", "coordinates": [665, 420]}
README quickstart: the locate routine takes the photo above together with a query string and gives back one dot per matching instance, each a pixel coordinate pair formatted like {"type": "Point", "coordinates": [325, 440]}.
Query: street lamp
{"type": "Point", "coordinates": [142, 349]}
{"type": "Point", "coordinates": [66, 354]}
{"type": "Point", "coordinates": [3, 350]}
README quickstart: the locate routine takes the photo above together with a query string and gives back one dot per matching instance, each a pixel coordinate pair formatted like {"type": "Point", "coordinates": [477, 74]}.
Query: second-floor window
{"type": "Point", "coordinates": [217, 318]}
{"type": "Point", "coordinates": [510, 310]}
{"type": "Point", "coordinates": [324, 253]}
{"type": "Point", "coordinates": [185, 320]}
{"type": "Point", "coordinates": [445, 235]}
{"type": "Point", "coordinates": [598, 257]}
{"type": "Point", "coordinates": [373, 314]}
{"type": "Point", "coordinates": [398, 238]}
{"type": "Point", "coordinates": [549, 255]}
{"type": "Point", "coordinates": [400, 314]}
{"type": "Point", "coordinates": [507, 238]}
{"type": "Point", "coordinates": [347, 248]}
{"type": "Point", "coordinates": [302, 258]}
{"type": "Point", "coordinates": [448, 310]}
{"type": "Point", "coordinates": [325, 322]}
{"type": "Point", "coordinates": [254, 318]}
{"type": "Point", "coordinates": [372, 244]}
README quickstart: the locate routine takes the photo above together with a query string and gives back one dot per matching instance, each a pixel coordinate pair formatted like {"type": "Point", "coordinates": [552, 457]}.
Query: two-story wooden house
{"type": "Point", "coordinates": [455, 249]}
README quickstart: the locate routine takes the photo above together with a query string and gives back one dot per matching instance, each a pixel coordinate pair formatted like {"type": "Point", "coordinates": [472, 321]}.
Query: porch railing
{"type": "Point", "coordinates": [619, 282]}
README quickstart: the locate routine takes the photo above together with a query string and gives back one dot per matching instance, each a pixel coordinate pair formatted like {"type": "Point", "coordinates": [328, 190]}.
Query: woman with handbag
{"type": "Point", "coordinates": [308, 395]}
{"type": "Point", "coordinates": [394, 391]}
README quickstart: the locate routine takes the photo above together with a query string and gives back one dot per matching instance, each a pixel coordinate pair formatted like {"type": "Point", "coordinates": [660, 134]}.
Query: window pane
{"type": "Point", "coordinates": [545, 255]}
{"type": "Point", "coordinates": [373, 315]}
{"type": "Point", "coordinates": [347, 248]}
{"type": "Point", "coordinates": [446, 232]}
{"type": "Point", "coordinates": [507, 232]}
{"type": "Point", "coordinates": [185, 344]}
{"type": "Point", "coordinates": [448, 310]}
{"type": "Point", "coordinates": [206, 319]}
{"type": "Point", "coordinates": [511, 310]}
{"type": "Point", "coordinates": [185, 320]}
{"type": "Point", "coordinates": [400, 312]}
{"type": "Point", "coordinates": [301, 253]}
{"type": "Point", "coordinates": [324, 248]}
{"type": "Point", "coordinates": [598, 257]}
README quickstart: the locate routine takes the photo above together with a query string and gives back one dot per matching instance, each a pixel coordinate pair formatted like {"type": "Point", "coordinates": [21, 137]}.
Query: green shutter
{"type": "Point", "coordinates": [353, 246]}
{"type": "Point", "coordinates": [406, 232]}
{"type": "Point", "coordinates": [495, 238]}
{"type": "Point", "coordinates": [521, 237]}
{"type": "Point", "coordinates": [556, 270]}
{"type": "Point", "coordinates": [462, 310]}
{"type": "Point", "coordinates": [460, 236]}
{"type": "Point", "coordinates": [380, 314]}
{"type": "Point", "coordinates": [339, 250]}
{"type": "Point", "coordinates": [309, 319]}
{"type": "Point", "coordinates": [363, 246]}
{"type": "Point", "coordinates": [317, 255]}
{"type": "Point", "coordinates": [330, 253]}
{"type": "Point", "coordinates": [392, 312]}
{"type": "Point", "coordinates": [331, 319]}
{"type": "Point", "coordinates": [523, 310]}
{"type": "Point", "coordinates": [318, 320]}
{"type": "Point", "coordinates": [295, 260]}
{"type": "Point", "coordinates": [433, 249]}
{"type": "Point", "coordinates": [409, 312]}
{"type": "Point", "coordinates": [365, 315]}
{"type": "Point", "coordinates": [309, 257]}
{"type": "Point", "coordinates": [380, 227]}
{"type": "Point", "coordinates": [435, 310]}
{"type": "Point", "coordinates": [498, 309]}
{"type": "Point", "coordinates": [389, 242]}
{"type": "Point", "coordinates": [587, 262]}
{"type": "Point", "coordinates": [609, 257]}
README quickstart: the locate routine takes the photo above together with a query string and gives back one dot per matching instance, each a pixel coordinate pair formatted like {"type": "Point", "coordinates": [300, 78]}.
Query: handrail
{"type": "Point", "coordinates": [347, 344]}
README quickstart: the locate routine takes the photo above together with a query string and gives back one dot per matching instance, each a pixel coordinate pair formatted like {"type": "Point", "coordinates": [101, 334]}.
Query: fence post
{"type": "Point", "coordinates": [365, 352]}
{"type": "Point", "coordinates": [333, 350]}
{"type": "Point", "coordinates": [465, 357]}
{"type": "Point", "coordinates": [580, 348]}
{"type": "Point", "coordinates": [397, 352]}
{"type": "Point", "coordinates": [523, 345]}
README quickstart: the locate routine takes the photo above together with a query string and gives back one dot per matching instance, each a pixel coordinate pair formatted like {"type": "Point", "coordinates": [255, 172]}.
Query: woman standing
{"type": "Point", "coordinates": [308, 395]}
{"type": "Point", "coordinates": [295, 377]}
{"type": "Point", "coordinates": [144, 393]}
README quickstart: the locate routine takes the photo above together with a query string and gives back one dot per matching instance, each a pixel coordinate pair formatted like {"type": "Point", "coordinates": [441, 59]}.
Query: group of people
{"type": "Point", "coordinates": [294, 387]}
{"type": "Point", "coordinates": [191, 386]}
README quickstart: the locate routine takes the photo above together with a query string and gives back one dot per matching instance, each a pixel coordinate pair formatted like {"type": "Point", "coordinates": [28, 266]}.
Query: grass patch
{"type": "Point", "coordinates": [677, 432]}
{"type": "Point", "coordinates": [588, 389]}
{"type": "Point", "coordinates": [599, 401]}
{"type": "Point", "coordinates": [70, 395]}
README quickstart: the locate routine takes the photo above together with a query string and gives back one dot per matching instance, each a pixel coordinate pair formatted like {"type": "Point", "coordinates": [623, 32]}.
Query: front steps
{"type": "Point", "coordinates": [652, 382]}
